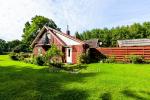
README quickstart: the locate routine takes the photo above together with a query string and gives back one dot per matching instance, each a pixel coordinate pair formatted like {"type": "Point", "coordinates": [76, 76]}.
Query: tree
{"type": "Point", "coordinates": [31, 28]}
{"type": "Point", "coordinates": [12, 44]}
{"type": "Point", "coordinates": [3, 46]}
{"type": "Point", "coordinates": [77, 35]}
{"type": "Point", "coordinates": [21, 48]}
{"type": "Point", "coordinates": [146, 26]}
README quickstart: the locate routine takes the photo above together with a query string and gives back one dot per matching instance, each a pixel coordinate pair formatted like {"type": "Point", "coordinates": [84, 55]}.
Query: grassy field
{"type": "Point", "coordinates": [21, 81]}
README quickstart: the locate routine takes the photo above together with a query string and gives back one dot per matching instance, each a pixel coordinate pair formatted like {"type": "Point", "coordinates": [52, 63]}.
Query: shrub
{"type": "Point", "coordinates": [136, 59]}
{"type": "Point", "coordinates": [27, 60]}
{"type": "Point", "coordinates": [40, 60]}
{"type": "Point", "coordinates": [30, 60]}
{"type": "Point", "coordinates": [84, 59]}
{"type": "Point", "coordinates": [110, 60]}
{"type": "Point", "coordinates": [14, 56]}
{"type": "Point", "coordinates": [58, 65]}
{"type": "Point", "coordinates": [53, 55]}
{"type": "Point", "coordinates": [21, 48]}
{"type": "Point", "coordinates": [19, 56]}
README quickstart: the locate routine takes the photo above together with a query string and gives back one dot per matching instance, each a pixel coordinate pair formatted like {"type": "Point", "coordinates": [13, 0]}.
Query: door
{"type": "Point", "coordinates": [69, 55]}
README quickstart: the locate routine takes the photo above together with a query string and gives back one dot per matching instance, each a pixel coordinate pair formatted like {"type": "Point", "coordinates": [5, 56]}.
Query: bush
{"type": "Point", "coordinates": [84, 59]}
{"type": "Point", "coordinates": [29, 60]}
{"type": "Point", "coordinates": [110, 60]}
{"type": "Point", "coordinates": [57, 65]}
{"type": "Point", "coordinates": [136, 59]}
{"type": "Point", "coordinates": [54, 55]}
{"type": "Point", "coordinates": [19, 56]}
{"type": "Point", "coordinates": [40, 60]}
{"type": "Point", "coordinates": [14, 56]}
{"type": "Point", "coordinates": [21, 48]}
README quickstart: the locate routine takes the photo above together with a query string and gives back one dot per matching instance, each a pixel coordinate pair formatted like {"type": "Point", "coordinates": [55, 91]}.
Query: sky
{"type": "Point", "coordinates": [80, 15]}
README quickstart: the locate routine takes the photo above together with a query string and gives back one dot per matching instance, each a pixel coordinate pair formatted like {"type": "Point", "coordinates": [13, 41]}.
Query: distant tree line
{"type": "Point", "coordinates": [12, 46]}
{"type": "Point", "coordinates": [109, 37]}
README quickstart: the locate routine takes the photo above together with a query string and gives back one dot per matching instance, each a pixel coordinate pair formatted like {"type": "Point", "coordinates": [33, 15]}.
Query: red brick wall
{"type": "Point", "coordinates": [35, 50]}
{"type": "Point", "coordinates": [77, 50]}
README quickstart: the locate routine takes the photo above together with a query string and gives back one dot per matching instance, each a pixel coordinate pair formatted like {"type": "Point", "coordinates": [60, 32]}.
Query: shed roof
{"type": "Point", "coordinates": [93, 43]}
{"type": "Point", "coordinates": [134, 42]}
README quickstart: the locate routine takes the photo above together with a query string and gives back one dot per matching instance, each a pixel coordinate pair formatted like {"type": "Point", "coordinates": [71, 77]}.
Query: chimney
{"type": "Point", "coordinates": [68, 32]}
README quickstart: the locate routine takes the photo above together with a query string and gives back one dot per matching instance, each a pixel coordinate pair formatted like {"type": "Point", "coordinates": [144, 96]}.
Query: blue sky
{"type": "Point", "coordinates": [80, 15]}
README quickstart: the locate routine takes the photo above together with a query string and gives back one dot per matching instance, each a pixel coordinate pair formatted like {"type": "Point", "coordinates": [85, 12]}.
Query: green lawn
{"type": "Point", "coordinates": [21, 81]}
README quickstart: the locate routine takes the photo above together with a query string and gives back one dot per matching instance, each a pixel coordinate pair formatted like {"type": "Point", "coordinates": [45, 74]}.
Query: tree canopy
{"type": "Point", "coordinates": [109, 37]}
{"type": "Point", "coordinates": [3, 46]}
{"type": "Point", "coordinates": [31, 28]}
{"type": "Point", "coordinates": [12, 44]}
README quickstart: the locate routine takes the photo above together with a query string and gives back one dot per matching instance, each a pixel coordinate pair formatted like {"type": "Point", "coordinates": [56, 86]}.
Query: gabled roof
{"type": "Point", "coordinates": [134, 42]}
{"type": "Point", "coordinates": [64, 34]}
{"type": "Point", "coordinates": [56, 34]}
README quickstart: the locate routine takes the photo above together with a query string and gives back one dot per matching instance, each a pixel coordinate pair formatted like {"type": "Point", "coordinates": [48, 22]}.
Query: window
{"type": "Point", "coordinates": [68, 52]}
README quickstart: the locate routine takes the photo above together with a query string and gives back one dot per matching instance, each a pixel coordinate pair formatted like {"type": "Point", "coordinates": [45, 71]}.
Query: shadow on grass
{"type": "Point", "coordinates": [74, 68]}
{"type": "Point", "coordinates": [32, 84]}
{"type": "Point", "coordinates": [145, 92]}
{"type": "Point", "coordinates": [106, 96]}
{"type": "Point", "coordinates": [135, 95]}
{"type": "Point", "coordinates": [74, 94]}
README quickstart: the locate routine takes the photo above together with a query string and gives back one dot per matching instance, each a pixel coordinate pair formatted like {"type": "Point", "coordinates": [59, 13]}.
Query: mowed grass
{"type": "Point", "coordinates": [21, 81]}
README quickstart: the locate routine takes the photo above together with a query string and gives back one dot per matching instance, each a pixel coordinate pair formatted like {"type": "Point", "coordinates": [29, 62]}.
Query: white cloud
{"type": "Point", "coordinates": [14, 14]}
{"type": "Point", "coordinates": [79, 15]}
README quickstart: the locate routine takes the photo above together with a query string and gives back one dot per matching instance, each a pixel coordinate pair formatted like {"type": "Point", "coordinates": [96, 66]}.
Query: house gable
{"type": "Point", "coordinates": [62, 38]}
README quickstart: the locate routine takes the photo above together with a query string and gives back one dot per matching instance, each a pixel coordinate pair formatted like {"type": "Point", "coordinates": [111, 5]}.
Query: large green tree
{"type": "Point", "coordinates": [31, 28]}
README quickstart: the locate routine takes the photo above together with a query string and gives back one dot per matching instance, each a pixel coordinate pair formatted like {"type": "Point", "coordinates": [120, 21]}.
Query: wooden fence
{"type": "Point", "coordinates": [122, 53]}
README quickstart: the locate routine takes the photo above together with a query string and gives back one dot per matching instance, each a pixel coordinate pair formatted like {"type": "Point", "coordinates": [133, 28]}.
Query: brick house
{"type": "Point", "coordinates": [69, 45]}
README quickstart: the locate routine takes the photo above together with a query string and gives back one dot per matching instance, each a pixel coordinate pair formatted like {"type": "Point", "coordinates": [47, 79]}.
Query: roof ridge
{"type": "Point", "coordinates": [68, 36]}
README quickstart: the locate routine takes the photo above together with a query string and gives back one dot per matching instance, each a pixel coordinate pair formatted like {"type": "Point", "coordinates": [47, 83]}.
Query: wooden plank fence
{"type": "Point", "coordinates": [122, 53]}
